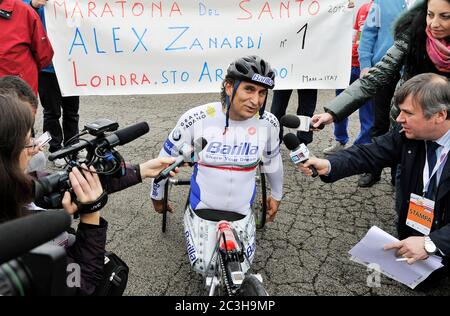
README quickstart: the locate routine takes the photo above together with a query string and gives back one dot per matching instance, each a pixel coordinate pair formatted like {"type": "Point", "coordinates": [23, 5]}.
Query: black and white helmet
{"type": "Point", "coordinates": [253, 69]}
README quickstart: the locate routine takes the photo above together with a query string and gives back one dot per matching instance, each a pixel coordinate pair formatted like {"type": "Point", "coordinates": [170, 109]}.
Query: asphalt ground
{"type": "Point", "coordinates": [304, 252]}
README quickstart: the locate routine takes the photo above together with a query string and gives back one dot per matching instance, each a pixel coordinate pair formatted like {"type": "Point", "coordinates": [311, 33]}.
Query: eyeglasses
{"type": "Point", "coordinates": [32, 145]}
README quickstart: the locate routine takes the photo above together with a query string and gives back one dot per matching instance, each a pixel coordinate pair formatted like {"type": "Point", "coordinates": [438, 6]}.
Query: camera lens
{"type": "Point", "coordinates": [14, 280]}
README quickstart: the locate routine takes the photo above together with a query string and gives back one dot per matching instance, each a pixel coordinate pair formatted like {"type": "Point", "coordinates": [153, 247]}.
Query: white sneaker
{"type": "Point", "coordinates": [59, 163]}
{"type": "Point", "coordinates": [334, 148]}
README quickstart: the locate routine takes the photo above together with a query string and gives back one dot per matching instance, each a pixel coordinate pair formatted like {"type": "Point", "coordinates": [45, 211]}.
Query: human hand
{"type": "Point", "coordinates": [319, 119]}
{"type": "Point", "coordinates": [411, 248]}
{"type": "Point", "coordinates": [321, 166]}
{"type": "Point", "coordinates": [153, 167]}
{"type": "Point", "coordinates": [272, 208]}
{"type": "Point", "coordinates": [38, 3]}
{"type": "Point", "coordinates": [158, 205]}
{"type": "Point", "coordinates": [86, 186]}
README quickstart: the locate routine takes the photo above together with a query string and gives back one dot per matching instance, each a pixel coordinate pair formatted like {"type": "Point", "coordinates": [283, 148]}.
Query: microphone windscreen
{"type": "Point", "coordinates": [290, 121]}
{"type": "Point", "coordinates": [19, 236]}
{"type": "Point", "coordinates": [291, 141]}
{"type": "Point", "coordinates": [132, 132]}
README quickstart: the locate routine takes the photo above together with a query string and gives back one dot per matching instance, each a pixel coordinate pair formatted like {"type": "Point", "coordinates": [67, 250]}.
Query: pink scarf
{"type": "Point", "coordinates": [438, 51]}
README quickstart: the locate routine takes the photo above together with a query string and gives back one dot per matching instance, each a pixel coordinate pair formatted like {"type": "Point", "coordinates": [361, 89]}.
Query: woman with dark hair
{"type": "Point", "coordinates": [16, 192]}
{"type": "Point", "coordinates": [422, 44]}
{"type": "Point", "coordinates": [15, 127]}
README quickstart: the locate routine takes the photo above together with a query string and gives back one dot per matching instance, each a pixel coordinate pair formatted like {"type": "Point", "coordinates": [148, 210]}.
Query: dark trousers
{"type": "Point", "coordinates": [381, 110]}
{"type": "Point", "coordinates": [307, 99]}
{"type": "Point", "coordinates": [53, 102]}
{"type": "Point", "coordinates": [382, 107]}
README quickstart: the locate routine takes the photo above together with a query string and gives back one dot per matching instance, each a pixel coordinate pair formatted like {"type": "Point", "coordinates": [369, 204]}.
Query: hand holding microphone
{"type": "Point", "coordinates": [318, 121]}
{"type": "Point", "coordinates": [186, 154]}
{"type": "Point", "coordinates": [299, 122]}
{"type": "Point", "coordinates": [299, 152]}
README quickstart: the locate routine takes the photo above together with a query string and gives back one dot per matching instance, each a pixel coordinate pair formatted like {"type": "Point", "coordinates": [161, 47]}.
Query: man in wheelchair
{"type": "Point", "coordinates": [240, 135]}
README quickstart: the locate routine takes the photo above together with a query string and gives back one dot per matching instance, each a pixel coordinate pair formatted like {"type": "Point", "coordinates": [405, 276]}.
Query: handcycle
{"type": "Point", "coordinates": [227, 271]}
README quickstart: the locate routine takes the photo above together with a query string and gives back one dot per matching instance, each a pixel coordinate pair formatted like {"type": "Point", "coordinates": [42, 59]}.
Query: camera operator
{"type": "Point", "coordinates": [16, 191]}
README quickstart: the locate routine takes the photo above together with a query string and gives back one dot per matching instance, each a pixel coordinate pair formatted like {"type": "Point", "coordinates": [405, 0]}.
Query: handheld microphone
{"type": "Point", "coordinates": [120, 137]}
{"type": "Point", "coordinates": [299, 152]}
{"type": "Point", "coordinates": [298, 122]}
{"type": "Point", "coordinates": [24, 234]}
{"type": "Point", "coordinates": [187, 154]}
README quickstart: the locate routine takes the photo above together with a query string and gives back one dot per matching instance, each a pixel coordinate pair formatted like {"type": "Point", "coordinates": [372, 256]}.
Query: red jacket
{"type": "Point", "coordinates": [24, 46]}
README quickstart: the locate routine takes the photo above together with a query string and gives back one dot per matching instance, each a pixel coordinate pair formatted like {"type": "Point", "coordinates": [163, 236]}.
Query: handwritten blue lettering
{"type": "Point", "coordinates": [96, 43]}
{"type": "Point", "coordinates": [139, 39]}
{"type": "Point", "coordinates": [184, 28]}
{"type": "Point", "coordinates": [78, 34]}
{"type": "Point", "coordinates": [116, 39]}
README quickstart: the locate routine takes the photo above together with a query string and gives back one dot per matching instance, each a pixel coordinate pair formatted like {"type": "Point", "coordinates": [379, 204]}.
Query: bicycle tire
{"type": "Point", "coordinates": [259, 205]}
{"type": "Point", "coordinates": [251, 286]}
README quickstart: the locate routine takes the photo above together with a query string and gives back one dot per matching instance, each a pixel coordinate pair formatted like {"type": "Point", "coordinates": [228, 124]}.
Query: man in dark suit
{"type": "Point", "coordinates": [420, 144]}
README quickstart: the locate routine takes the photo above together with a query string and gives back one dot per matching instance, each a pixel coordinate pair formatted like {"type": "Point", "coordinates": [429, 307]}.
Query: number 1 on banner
{"type": "Point", "coordinates": [304, 29]}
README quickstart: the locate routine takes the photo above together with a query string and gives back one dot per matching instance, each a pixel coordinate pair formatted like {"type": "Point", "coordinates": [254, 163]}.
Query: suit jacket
{"type": "Point", "coordinates": [389, 150]}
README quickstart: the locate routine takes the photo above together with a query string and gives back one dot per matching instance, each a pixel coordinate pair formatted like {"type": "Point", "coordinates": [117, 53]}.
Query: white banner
{"type": "Point", "coordinates": [117, 47]}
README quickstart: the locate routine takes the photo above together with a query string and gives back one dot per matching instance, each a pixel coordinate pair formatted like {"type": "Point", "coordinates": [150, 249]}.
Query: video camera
{"type": "Point", "coordinates": [41, 271]}
{"type": "Point", "coordinates": [101, 154]}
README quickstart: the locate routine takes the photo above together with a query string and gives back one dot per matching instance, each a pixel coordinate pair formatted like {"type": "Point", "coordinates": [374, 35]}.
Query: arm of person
{"type": "Point", "coordinates": [273, 166]}
{"type": "Point", "coordinates": [441, 238]}
{"type": "Point", "coordinates": [89, 249]}
{"type": "Point", "coordinates": [274, 171]}
{"type": "Point", "coordinates": [369, 37]}
{"type": "Point", "coordinates": [352, 98]}
{"type": "Point", "coordinates": [134, 174]}
{"type": "Point", "coordinates": [177, 137]}
{"type": "Point", "coordinates": [40, 44]}
{"type": "Point", "coordinates": [37, 4]}
{"type": "Point", "coordinates": [411, 248]}
{"type": "Point", "coordinates": [323, 166]}
{"type": "Point", "coordinates": [384, 151]}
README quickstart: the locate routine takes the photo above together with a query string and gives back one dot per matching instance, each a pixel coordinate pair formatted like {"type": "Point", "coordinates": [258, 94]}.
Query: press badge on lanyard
{"type": "Point", "coordinates": [420, 214]}
{"type": "Point", "coordinates": [421, 210]}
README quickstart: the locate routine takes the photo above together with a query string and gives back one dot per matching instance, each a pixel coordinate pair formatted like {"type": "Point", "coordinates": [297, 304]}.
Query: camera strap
{"type": "Point", "coordinates": [86, 208]}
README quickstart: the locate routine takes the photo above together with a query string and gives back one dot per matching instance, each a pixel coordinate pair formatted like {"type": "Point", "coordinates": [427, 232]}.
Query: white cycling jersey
{"type": "Point", "coordinates": [224, 177]}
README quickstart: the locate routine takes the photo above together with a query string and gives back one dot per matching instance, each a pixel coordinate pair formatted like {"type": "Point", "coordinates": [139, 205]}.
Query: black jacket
{"type": "Point", "coordinates": [89, 252]}
{"type": "Point", "coordinates": [391, 149]}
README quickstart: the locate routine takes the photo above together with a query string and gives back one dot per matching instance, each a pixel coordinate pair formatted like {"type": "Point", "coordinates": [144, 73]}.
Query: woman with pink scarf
{"type": "Point", "coordinates": [422, 44]}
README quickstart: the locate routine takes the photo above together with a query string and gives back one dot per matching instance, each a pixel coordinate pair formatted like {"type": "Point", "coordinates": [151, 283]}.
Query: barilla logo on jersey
{"type": "Point", "coordinates": [262, 79]}
{"type": "Point", "coordinates": [191, 251]}
{"type": "Point", "coordinates": [243, 149]}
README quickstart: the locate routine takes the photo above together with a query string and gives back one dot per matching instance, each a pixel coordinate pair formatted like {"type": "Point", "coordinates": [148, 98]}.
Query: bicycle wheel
{"type": "Point", "coordinates": [251, 286]}
{"type": "Point", "coordinates": [259, 205]}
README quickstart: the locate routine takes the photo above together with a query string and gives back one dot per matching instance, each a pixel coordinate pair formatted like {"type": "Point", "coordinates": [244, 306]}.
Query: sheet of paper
{"type": "Point", "coordinates": [370, 250]}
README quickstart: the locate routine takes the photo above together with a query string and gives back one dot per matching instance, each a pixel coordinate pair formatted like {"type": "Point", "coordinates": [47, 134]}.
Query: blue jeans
{"type": "Point", "coordinates": [365, 119]}
{"type": "Point", "coordinates": [307, 99]}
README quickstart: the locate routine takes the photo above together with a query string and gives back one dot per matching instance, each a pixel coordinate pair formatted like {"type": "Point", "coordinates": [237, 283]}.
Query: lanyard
{"type": "Point", "coordinates": [440, 162]}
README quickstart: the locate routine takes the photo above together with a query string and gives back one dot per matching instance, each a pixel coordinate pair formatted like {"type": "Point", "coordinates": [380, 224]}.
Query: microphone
{"type": "Point", "coordinates": [126, 135]}
{"type": "Point", "coordinates": [187, 154]}
{"type": "Point", "coordinates": [299, 152]}
{"type": "Point", "coordinates": [298, 122]}
{"type": "Point", "coordinates": [24, 234]}
{"type": "Point", "coordinates": [120, 137]}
